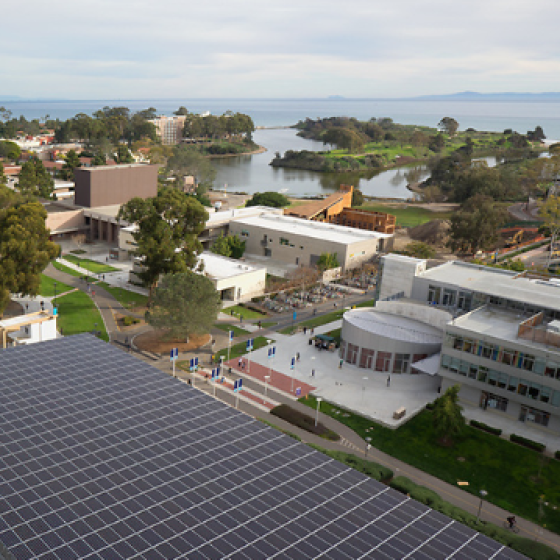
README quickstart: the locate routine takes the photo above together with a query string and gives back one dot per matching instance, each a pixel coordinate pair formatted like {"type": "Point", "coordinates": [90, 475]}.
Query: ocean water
{"type": "Point", "coordinates": [254, 174]}
{"type": "Point", "coordinates": [481, 115]}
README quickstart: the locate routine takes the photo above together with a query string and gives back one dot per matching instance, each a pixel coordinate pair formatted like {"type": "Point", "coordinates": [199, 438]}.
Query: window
{"type": "Point", "coordinates": [468, 345]}
{"type": "Point", "coordinates": [508, 356]}
{"type": "Point", "coordinates": [492, 377]}
{"type": "Point", "coordinates": [527, 362]}
{"type": "Point", "coordinates": [445, 361]}
{"type": "Point", "coordinates": [482, 373]}
{"type": "Point", "coordinates": [522, 389]}
{"type": "Point", "coordinates": [449, 297]}
{"type": "Point", "coordinates": [401, 364]}
{"type": "Point", "coordinates": [533, 415]}
{"type": "Point", "coordinates": [244, 233]}
{"type": "Point", "coordinates": [383, 361]}
{"type": "Point", "coordinates": [464, 301]}
{"type": "Point", "coordinates": [552, 369]}
{"type": "Point", "coordinates": [502, 380]}
{"type": "Point", "coordinates": [473, 370]}
{"type": "Point", "coordinates": [284, 241]}
{"type": "Point", "coordinates": [352, 353]}
{"type": "Point", "coordinates": [534, 390]}
{"type": "Point", "coordinates": [434, 294]}
{"type": "Point", "coordinates": [487, 350]}
{"type": "Point", "coordinates": [366, 358]}
{"type": "Point", "coordinates": [546, 393]}
{"type": "Point", "coordinates": [458, 343]}
{"type": "Point", "coordinates": [495, 401]}
{"type": "Point", "coordinates": [512, 384]}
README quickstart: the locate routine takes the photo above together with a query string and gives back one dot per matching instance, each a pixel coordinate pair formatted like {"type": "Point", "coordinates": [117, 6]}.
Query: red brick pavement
{"type": "Point", "coordinates": [200, 379]}
{"type": "Point", "coordinates": [277, 379]}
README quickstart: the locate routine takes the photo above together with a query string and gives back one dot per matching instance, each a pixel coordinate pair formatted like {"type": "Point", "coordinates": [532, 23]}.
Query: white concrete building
{"type": "Point", "coordinates": [299, 242]}
{"type": "Point", "coordinates": [28, 329]}
{"type": "Point", "coordinates": [503, 345]}
{"type": "Point", "coordinates": [235, 280]}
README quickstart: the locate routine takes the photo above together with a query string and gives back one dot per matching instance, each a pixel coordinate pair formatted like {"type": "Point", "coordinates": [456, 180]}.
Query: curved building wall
{"type": "Point", "coordinates": [385, 342]}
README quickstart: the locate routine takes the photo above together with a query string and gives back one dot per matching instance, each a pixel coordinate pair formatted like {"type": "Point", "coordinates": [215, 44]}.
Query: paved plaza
{"type": "Point", "coordinates": [361, 390]}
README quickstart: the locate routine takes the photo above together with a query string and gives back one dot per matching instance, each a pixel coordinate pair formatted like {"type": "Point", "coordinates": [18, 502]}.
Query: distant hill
{"type": "Point", "coordinates": [9, 98]}
{"type": "Point", "coordinates": [503, 96]}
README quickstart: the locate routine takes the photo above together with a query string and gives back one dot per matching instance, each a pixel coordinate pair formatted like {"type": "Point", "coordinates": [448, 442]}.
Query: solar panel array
{"type": "Point", "coordinates": [103, 456]}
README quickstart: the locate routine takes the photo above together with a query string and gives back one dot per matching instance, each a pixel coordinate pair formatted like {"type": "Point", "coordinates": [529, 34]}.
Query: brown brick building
{"type": "Point", "coordinates": [115, 184]}
{"type": "Point", "coordinates": [337, 209]}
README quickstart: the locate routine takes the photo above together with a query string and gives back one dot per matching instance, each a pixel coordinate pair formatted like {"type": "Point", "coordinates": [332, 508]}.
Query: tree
{"type": "Point", "coordinates": [123, 155]}
{"type": "Point", "coordinates": [420, 250]}
{"type": "Point", "coordinates": [357, 198]}
{"type": "Point", "coordinates": [34, 180]}
{"type": "Point", "coordinates": [10, 150]}
{"type": "Point", "coordinates": [327, 261]}
{"type": "Point", "coordinates": [2, 176]}
{"type": "Point", "coordinates": [187, 160]}
{"type": "Point", "coordinates": [25, 249]}
{"type": "Point", "coordinates": [344, 138]}
{"type": "Point", "coordinates": [98, 159]}
{"type": "Point", "coordinates": [448, 125]}
{"type": "Point", "coordinates": [168, 227]}
{"type": "Point", "coordinates": [475, 225]}
{"type": "Point", "coordinates": [550, 213]}
{"type": "Point", "coordinates": [229, 246]}
{"type": "Point", "coordinates": [221, 246]}
{"type": "Point", "coordinates": [181, 111]}
{"type": "Point", "coordinates": [184, 304]}
{"type": "Point", "coordinates": [447, 417]}
{"type": "Point", "coordinates": [72, 161]}
{"type": "Point", "coordinates": [269, 198]}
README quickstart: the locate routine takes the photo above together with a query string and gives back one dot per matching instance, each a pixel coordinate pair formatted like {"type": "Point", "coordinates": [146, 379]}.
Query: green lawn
{"type": "Point", "coordinates": [408, 216]}
{"type": "Point", "coordinates": [236, 330]}
{"type": "Point", "coordinates": [126, 298]}
{"type": "Point", "coordinates": [64, 268]}
{"type": "Point", "coordinates": [77, 314]}
{"type": "Point", "coordinates": [47, 286]}
{"type": "Point", "coordinates": [92, 266]}
{"type": "Point", "coordinates": [268, 324]}
{"type": "Point", "coordinates": [508, 472]}
{"type": "Point", "coordinates": [241, 348]}
{"type": "Point", "coordinates": [237, 310]}
{"type": "Point", "coordinates": [315, 322]}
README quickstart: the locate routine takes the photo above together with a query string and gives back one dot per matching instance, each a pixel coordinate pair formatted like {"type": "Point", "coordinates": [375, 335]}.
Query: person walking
{"type": "Point", "coordinates": [388, 381]}
{"type": "Point", "coordinates": [239, 362]}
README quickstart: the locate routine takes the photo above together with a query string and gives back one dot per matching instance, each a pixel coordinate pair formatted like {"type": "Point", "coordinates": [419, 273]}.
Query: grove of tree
{"type": "Point", "coordinates": [269, 198]}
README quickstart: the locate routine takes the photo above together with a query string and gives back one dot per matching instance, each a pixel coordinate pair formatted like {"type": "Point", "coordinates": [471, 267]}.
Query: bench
{"type": "Point", "coordinates": [399, 413]}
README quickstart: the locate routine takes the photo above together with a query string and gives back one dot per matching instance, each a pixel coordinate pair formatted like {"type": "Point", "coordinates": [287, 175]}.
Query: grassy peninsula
{"type": "Point", "coordinates": [381, 144]}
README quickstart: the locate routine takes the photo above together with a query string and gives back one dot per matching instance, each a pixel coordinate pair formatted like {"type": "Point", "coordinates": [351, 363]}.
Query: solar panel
{"type": "Point", "coordinates": [103, 456]}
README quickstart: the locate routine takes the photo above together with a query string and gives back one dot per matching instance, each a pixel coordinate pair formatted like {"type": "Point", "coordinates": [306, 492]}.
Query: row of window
{"type": "Point", "coordinates": [526, 414]}
{"type": "Point", "coordinates": [501, 380]}
{"type": "Point", "coordinates": [508, 356]}
{"type": "Point", "coordinates": [382, 361]}
{"type": "Point", "coordinates": [449, 298]}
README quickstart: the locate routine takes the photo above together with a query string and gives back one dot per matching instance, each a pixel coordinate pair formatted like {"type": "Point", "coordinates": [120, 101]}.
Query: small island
{"type": "Point", "coordinates": [380, 144]}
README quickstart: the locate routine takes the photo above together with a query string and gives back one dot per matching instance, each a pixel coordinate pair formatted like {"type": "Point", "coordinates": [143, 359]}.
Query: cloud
{"type": "Point", "coordinates": [250, 48]}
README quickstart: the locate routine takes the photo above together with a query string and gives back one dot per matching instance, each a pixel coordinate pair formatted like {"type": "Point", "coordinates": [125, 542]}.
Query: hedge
{"type": "Point", "coordinates": [535, 445]}
{"type": "Point", "coordinates": [557, 455]}
{"type": "Point", "coordinates": [369, 468]}
{"type": "Point", "coordinates": [532, 549]}
{"type": "Point", "coordinates": [485, 427]}
{"type": "Point", "coordinates": [303, 421]}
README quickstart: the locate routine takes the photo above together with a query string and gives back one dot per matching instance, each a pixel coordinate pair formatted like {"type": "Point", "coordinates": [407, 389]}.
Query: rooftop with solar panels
{"type": "Point", "coordinates": [104, 456]}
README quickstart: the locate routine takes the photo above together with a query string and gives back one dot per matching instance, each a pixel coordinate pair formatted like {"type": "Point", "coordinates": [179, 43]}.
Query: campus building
{"type": "Point", "coordinates": [28, 329]}
{"type": "Point", "coordinates": [169, 129]}
{"type": "Point", "coordinates": [234, 280]}
{"type": "Point", "coordinates": [114, 184]}
{"type": "Point", "coordinates": [337, 209]}
{"type": "Point", "coordinates": [502, 345]}
{"type": "Point", "coordinates": [297, 242]}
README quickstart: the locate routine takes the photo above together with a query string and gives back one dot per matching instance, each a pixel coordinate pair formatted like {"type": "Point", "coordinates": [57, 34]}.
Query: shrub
{"type": "Point", "coordinates": [303, 421]}
{"type": "Point", "coordinates": [369, 468]}
{"type": "Point", "coordinates": [128, 321]}
{"type": "Point", "coordinates": [540, 447]}
{"type": "Point", "coordinates": [485, 427]}
{"type": "Point", "coordinates": [557, 455]}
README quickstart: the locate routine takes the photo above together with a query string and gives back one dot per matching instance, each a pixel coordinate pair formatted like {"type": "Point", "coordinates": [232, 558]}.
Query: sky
{"type": "Point", "coordinates": [261, 49]}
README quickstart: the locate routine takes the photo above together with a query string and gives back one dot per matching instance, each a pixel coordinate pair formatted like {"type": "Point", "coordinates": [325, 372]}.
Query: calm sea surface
{"type": "Point", "coordinates": [253, 174]}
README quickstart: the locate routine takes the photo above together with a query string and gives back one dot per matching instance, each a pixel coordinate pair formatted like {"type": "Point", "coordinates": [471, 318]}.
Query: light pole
{"type": "Point", "coordinates": [266, 380]}
{"type": "Point", "coordinates": [364, 388]}
{"type": "Point", "coordinates": [319, 399]}
{"type": "Point", "coordinates": [483, 495]}
{"type": "Point", "coordinates": [55, 310]}
{"type": "Point", "coordinates": [368, 445]}
{"type": "Point", "coordinates": [268, 341]}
